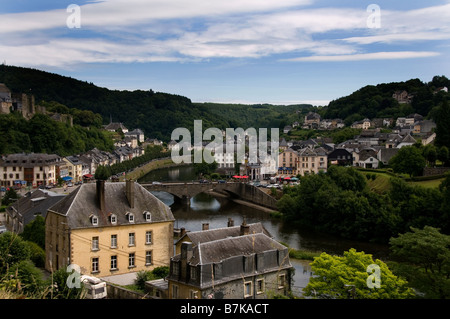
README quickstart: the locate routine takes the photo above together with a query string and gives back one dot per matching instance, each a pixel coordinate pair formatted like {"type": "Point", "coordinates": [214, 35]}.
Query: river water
{"type": "Point", "coordinates": [205, 208]}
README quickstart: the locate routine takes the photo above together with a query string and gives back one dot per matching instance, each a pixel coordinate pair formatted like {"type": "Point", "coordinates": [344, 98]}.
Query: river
{"type": "Point", "coordinates": [204, 208]}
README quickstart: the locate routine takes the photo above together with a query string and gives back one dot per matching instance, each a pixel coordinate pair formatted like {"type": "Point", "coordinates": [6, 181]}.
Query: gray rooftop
{"type": "Point", "coordinates": [82, 203]}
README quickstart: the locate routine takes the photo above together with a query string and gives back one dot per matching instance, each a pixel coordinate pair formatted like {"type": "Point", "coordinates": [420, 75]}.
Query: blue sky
{"type": "Point", "coordinates": [238, 51]}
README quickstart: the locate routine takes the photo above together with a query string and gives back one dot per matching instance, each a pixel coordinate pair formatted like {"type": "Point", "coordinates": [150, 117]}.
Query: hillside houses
{"type": "Point", "coordinates": [369, 149]}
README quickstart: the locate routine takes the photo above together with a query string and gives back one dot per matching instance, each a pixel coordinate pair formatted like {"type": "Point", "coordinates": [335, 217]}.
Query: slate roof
{"type": "Point", "coordinates": [204, 236]}
{"type": "Point", "coordinates": [30, 160]}
{"type": "Point", "coordinates": [34, 203]}
{"type": "Point", "coordinates": [81, 203]}
{"type": "Point", "coordinates": [218, 250]}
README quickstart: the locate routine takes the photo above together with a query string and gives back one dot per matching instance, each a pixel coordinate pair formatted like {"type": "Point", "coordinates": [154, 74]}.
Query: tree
{"type": "Point", "coordinates": [426, 247]}
{"type": "Point", "coordinates": [10, 197]}
{"type": "Point", "coordinates": [428, 253]}
{"type": "Point", "coordinates": [102, 173]}
{"type": "Point", "coordinates": [345, 277]}
{"type": "Point", "coordinates": [409, 160]}
{"type": "Point", "coordinates": [35, 231]}
{"type": "Point", "coordinates": [443, 155]}
{"type": "Point", "coordinates": [430, 153]}
{"type": "Point", "coordinates": [443, 125]}
{"type": "Point", "coordinates": [13, 250]}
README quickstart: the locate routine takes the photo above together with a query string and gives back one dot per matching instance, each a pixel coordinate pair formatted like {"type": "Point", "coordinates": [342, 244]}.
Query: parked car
{"type": "Point", "coordinates": [2, 229]}
{"type": "Point", "coordinates": [204, 181]}
{"type": "Point", "coordinates": [156, 183]}
{"type": "Point", "coordinates": [2, 189]}
{"type": "Point", "coordinates": [221, 181]}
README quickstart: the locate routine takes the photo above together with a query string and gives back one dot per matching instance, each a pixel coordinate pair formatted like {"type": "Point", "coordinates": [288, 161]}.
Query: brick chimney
{"type": "Point", "coordinates": [101, 194]}
{"type": "Point", "coordinates": [129, 191]}
{"type": "Point", "coordinates": [205, 226]}
{"type": "Point", "coordinates": [245, 229]}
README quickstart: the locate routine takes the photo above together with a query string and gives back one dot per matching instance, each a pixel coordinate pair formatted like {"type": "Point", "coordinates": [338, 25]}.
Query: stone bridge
{"type": "Point", "coordinates": [244, 191]}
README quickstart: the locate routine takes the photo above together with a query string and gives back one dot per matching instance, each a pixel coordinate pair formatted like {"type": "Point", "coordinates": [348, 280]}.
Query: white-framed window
{"type": "Point", "coordinates": [131, 260]}
{"type": "Point", "coordinates": [94, 220]}
{"type": "Point", "coordinates": [148, 237]}
{"type": "Point", "coordinates": [131, 239]}
{"type": "Point", "coordinates": [248, 289]}
{"type": "Point", "coordinates": [148, 257]}
{"type": "Point", "coordinates": [113, 219]}
{"type": "Point", "coordinates": [95, 264]}
{"type": "Point", "coordinates": [114, 241]}
{"type": "Point", "coordinates": [130, 217]}
{"type": "Point", "coordinates": [147, 216]}
{"type": "Point", "coordinates": [114, 262]}
{"type": "Point", "coordinates": [95, 245]}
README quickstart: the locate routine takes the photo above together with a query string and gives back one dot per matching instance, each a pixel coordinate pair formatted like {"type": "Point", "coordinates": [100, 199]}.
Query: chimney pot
{"type": "Point", "coordinates": [205, 226]}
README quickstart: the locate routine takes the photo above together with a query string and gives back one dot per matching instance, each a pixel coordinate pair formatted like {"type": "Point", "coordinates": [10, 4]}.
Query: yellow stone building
{"type": "Point", "coordinates": [109, 229]}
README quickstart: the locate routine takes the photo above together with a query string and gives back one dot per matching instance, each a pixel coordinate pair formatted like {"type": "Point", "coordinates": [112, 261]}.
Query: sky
{"type": "Point", "coordinates": [234, 51]}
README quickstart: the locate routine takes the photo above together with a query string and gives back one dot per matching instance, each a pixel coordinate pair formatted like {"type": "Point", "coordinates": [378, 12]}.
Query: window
{"type": "Point", "coordinates": [148, 257]}
{"type": "Point", "coordinates": [247, 289]}
{"type": "Point", "coordinates": [148, 237]}
{"type": "Point", "coordinates": [148, 216]}
{"type": "Point", "coordinates": [131, 259]}
{"type": "Point", "coordinates": [130, 217]}
{"type": "Point", "coordinates": [94, 220]}
{"type": "Point", "coordinates": [113, 219]}
{"type": "Point", "coordinates": [174, 291]}
{"type": "Point", "coordinates": [95, 243]}
{"type": "Point", "coordinates": [175, 268]}
{"type": "Point", "coordinates": [281, 281]}
{"type": "Point", "coordinates": [95, 265]}
{"type": "Point", "coordinates": [113, 241]}
{"type": "Point", "coordinates": [113, 262]}
{"type": "Point", "coordinates": [193, 273]}
{"type": "Point", "coordinates": [131, 239]}
{"type": "Point", "coordinates": [260, 286]}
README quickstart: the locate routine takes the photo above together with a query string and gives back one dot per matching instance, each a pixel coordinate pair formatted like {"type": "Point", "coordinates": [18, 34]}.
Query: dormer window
{"type": "Point", "coordinates": [113, 219]}
{"type": "Point", "coordinates": [94, 220]}
{"type": "Point", "coordinates": [147, 216]}
{"type": "Point", "coordinates": [130, 217]}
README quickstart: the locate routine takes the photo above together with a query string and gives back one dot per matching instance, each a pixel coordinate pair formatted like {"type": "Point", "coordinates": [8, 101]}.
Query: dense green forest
{"type": "Point", "coordinates": [376, 101]}
{"type": "Point", "coordinates": [41, 134]}
{"type": "Point", "coordinates": [157, 114]}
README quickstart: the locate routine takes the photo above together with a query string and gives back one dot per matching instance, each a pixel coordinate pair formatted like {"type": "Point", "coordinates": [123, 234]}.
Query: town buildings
{"type": "Point", "coordinates": [109, 229]}
{"type": "Point", "coordinates": [29, 169]}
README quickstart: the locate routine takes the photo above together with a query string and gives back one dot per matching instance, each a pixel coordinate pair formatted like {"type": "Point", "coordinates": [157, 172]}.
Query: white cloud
{"type": "Point", "coordinates": [366, 56]}
{"type": "Point", "coordinates": [180, 30]}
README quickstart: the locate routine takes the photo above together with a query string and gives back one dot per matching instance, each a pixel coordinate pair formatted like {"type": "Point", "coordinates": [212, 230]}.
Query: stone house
{"type": "Point", "coordinates": [109, 229]}
{"type": "Point", "coordinates": [248, 266]}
